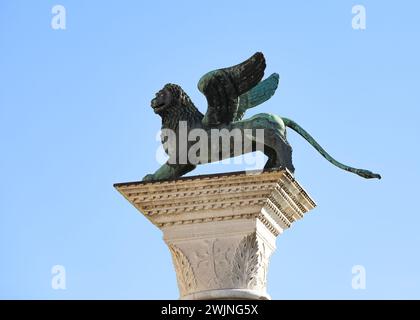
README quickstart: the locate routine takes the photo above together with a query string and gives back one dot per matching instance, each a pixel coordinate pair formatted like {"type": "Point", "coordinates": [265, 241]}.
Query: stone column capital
{"type": "Point", "coordinates": [221, 228]}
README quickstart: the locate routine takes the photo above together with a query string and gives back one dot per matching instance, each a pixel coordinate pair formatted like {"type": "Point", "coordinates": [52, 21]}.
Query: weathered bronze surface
{"type": "Point", "coordinates": [230, 92]}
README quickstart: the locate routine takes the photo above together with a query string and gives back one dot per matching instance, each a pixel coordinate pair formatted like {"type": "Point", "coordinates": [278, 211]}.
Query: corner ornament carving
{"type": "Point", "coordinates": [184, 272]}
{"type": "Point", "coordinates": [249, 268]}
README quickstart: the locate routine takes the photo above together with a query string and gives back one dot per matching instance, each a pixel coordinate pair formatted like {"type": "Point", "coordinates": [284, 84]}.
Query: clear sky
{"type": "Point", "coordinates": [75, 118]}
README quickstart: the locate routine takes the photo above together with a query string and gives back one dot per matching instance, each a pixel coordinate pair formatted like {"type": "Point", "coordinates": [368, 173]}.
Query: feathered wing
{"type": "Point", "coordinates": [223, 87]}
{"type": "Point", "coordinates": [257, 95]}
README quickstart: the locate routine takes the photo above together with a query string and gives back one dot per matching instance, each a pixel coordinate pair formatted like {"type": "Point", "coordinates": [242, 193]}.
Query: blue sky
{"type": "Point", "coordinates": [75, 118]}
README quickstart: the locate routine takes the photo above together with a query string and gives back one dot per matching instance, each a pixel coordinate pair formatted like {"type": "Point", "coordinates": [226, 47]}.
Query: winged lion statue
{"type": "Point", "coordinates": [230, 92]}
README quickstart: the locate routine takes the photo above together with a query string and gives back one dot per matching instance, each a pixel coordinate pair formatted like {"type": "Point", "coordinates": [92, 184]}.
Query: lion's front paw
{"type": "Point", "coordinates": [149, 177]}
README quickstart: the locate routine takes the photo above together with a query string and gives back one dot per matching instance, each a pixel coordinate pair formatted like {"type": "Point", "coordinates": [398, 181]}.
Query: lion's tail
{"type": "Point", "coordinates": [302, 132]}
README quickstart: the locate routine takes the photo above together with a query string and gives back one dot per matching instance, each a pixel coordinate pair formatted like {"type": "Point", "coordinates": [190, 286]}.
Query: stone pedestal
{"type": "Point", "coordinates": [221, 229]}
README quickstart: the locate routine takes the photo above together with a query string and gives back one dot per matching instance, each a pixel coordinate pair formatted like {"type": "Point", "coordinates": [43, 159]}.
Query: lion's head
{"type": "Point", "coordinates": [170, 98]}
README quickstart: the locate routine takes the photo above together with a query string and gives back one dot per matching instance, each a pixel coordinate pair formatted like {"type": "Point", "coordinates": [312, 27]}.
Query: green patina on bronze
{"type": "Point", "coordinates": [229, 93]}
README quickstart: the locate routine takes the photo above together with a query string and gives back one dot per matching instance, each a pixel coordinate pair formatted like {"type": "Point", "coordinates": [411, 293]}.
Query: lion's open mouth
{"type": "Point", "coordinates": [159, 107]}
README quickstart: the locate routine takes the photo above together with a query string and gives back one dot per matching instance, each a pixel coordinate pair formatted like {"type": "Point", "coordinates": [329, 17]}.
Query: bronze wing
{"type": "Point", "coordinates": [223, 87]}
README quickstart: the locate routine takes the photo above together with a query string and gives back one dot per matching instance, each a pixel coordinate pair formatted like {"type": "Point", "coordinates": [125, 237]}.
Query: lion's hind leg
{"type": "Point", "coordinates": [278, 151]}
